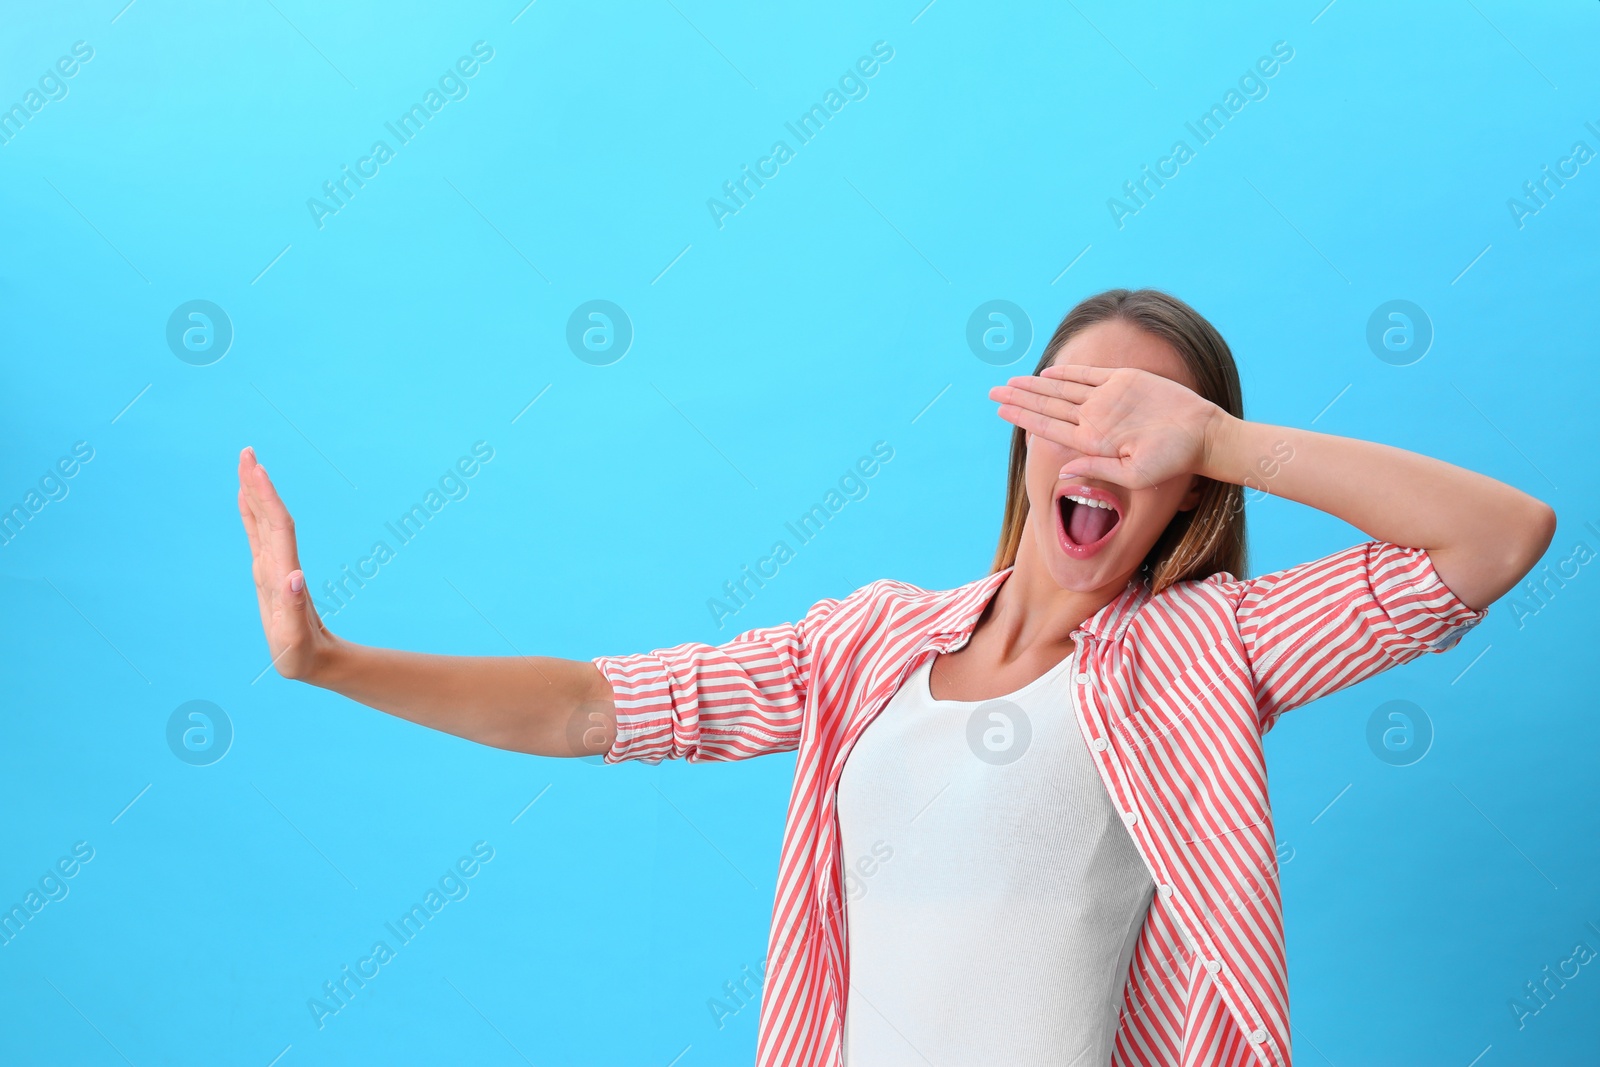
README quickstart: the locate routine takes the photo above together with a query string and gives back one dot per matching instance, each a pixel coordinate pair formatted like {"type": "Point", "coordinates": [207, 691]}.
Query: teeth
{"type": "Point", "coordinates": [1091, 503]}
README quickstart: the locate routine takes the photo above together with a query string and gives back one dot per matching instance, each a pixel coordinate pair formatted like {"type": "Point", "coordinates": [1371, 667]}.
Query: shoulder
{"type": "Point", "coordinates": [1190, 622]}
{"type": "Point", "coordinates": [1194, 602]}
{"type": "Point", "coordinates": [889, 604]}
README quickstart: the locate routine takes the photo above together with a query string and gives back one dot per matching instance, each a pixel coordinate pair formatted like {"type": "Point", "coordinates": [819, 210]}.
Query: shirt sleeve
{"type": "Point", "coordinates": [714, 702]}
{"type": "Point", "coordinates": [1316, 628]}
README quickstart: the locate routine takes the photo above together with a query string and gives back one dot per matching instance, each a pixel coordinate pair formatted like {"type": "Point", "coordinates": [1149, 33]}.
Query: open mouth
{"type": "Point", "coordinates": [1086, 519]}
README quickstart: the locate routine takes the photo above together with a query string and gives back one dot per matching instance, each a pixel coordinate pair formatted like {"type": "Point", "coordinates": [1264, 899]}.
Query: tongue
{"type": "Point", "coordinates": [1086, 525]}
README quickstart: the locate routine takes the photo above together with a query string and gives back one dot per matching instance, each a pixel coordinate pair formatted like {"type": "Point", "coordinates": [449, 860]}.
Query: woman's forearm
{"type": "Point", "coordinates": [1482, 535]}
{"type": "Point", "coordinates": [537, 704]}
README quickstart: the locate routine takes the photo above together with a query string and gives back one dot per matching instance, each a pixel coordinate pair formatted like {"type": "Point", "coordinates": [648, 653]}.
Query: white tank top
{"type": "Point", "coordinates": [992, 895]}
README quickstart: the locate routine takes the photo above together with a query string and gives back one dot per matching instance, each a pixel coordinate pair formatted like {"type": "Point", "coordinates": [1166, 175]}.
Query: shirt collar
{"type": "Point", "coordinates": [959, 616]}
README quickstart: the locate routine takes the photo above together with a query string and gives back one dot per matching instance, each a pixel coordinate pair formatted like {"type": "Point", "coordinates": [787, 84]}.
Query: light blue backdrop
{"type": "Point", "coordinates": [830, 312]}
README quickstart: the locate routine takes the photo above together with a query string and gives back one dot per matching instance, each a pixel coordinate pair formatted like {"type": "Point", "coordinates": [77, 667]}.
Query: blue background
{"type": "Point", "coordinates": [768, 354]}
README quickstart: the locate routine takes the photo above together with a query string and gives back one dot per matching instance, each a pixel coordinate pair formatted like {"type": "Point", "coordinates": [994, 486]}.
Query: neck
{"type": "Point", "coordinates": [1032, 615]}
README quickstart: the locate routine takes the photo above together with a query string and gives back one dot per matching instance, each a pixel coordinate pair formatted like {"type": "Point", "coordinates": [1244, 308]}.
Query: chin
{"type": "Point", "coordinates": [1080, 576]}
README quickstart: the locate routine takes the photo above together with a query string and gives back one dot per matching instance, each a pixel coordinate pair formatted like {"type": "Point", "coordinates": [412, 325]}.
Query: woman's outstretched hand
{"type": "Point", "coordinates": [538, 704]}
{"type": "Point", "coordinates": [295, 634]}
{"type": "Point", "coordinates": [1133, 428]}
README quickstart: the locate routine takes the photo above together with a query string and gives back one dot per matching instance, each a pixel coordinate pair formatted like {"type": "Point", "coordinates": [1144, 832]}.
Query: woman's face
{"type": "Point", "coordinates": [1086, 547]}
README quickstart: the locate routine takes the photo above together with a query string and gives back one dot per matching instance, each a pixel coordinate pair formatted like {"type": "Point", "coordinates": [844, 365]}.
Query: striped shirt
{"type": "Point", "coordinates": [1174, 693]}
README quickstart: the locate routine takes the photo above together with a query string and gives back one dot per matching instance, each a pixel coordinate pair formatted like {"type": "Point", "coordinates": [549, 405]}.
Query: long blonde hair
{"type": "Point", "coordinates": [1205, 540]}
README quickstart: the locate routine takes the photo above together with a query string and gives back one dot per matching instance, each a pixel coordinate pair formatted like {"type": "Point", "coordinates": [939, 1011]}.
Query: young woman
{"type": "Point", "coordinates": [1029, 820]}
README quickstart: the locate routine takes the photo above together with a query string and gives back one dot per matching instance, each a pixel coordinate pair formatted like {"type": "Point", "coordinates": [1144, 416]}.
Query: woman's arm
{"type": "Point", "coordinates": [537, 704]}
{"type": "Point", "coordinates": [1136, 428]}
{"type": "Point", "coordinates": [1482, 535]}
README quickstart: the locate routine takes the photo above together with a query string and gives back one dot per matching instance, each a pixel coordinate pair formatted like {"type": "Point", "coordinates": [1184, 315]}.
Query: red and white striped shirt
{"type": "Point", "coordinates": [1174, 693]}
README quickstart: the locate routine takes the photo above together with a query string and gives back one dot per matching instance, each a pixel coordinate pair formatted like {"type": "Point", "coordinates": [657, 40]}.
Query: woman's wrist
{"type": "Point", "coordinates": [1245, 453]}
{"type": "Point", "coordinates": [328, 660]}
{"type": "Point", "coordinates": [1222, 448]}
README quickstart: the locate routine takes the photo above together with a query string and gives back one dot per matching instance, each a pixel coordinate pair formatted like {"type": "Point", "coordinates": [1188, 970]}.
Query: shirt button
{"type": "Point", "coordinates": [1082, 679]}
{"type": "Point", "coordinates": [1257, 1036]}
{"type": "Point", "coordinates": [1164, 890]}
{"type": "Point", "coordinates": [1213, 966]}
{"type": "Point", "coordinates": [1130, 817]}
{"type": "Point", "coordinates": [1100, 744]}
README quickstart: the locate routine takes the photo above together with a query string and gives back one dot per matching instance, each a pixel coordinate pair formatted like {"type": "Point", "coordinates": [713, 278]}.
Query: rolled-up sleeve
{"type": "Point", "coordinates": [731, 701]}
{"type": "Point", "coordinates": [1316, 628]}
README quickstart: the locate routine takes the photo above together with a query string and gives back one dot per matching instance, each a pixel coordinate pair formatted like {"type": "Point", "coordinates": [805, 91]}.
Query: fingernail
{"type": "Point", "coordinates": [297, 581]}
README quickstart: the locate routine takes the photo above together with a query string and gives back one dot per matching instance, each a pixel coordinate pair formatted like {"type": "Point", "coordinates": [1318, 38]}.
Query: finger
{"type": "Point", "coordinates": [260, 566]}
{"type": "Point", "coordinates": [1076, 372]}
{"type": "Point", "coordinates": [1077, 392]}
{"type": "Point", "coordinates": [300, 599]}
{"type": "Point", "coordinates": [249, 518]}
{"type": "Point", "coordinates": [1062, 433]}
{"type": "Point", "coordinates": [260, 543]}
{"type": "Point", "coordinates": [279, 533]}
{"type": "Point", "coordinates": [298, 618]}
{"type": "Point", "coordinates": [308, 605]}
{"type": "Point", "coordinates": [1048, 406]}
{"type": "Point", "coordinates": [1101, 468]}
{"type": "Point", "coordinates": [247, 482]}
{"type": "Point", "coordinates": [294, 592]}
{"type": "Point", "coordinates": [247, 462]}
{"type": "Point", "coordinates": [1053, 386]}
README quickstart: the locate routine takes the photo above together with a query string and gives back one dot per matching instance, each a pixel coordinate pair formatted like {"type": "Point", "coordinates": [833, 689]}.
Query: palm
{"type": "Point", "coordinates": [1145, 422]}
{"type": "Point", "coordinates": [290, 624]}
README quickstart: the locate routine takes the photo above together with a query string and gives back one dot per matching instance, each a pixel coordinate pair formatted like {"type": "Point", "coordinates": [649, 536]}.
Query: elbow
{"type": "Point", "coordinates": [1547, 525]}
{"type": "Point", "coordinates": [1501, 557]}
{"type": "Point", "coordinates": [1542, 530]}
{"type": "Point", "coordinates": [1533, 536]}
